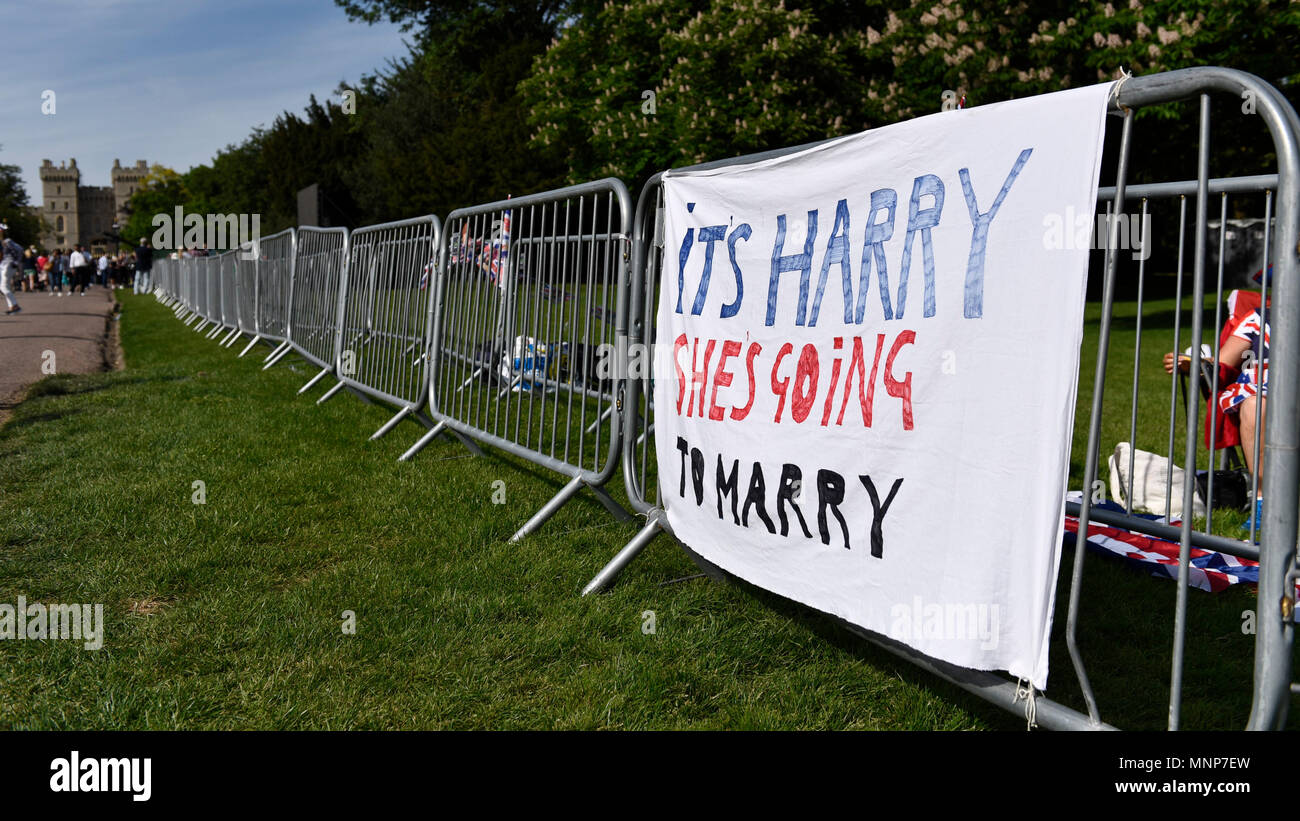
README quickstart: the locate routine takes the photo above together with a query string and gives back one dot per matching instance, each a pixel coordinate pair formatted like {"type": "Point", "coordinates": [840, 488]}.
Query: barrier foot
{"type": "Point", "coordinates": [609, 572]}
{"type": "Point", "coordinates": [469, 443]}
{"type": "Point", "coordinates": [318, 377]}
{"type": "Point", "coordinates": [618, 511]}
{"type": "Point", "coordinates": [549, 509]}
{"type": "Point", "coordinates": [428, 437]}
{"type": "Point", "coordinates": [329, 393]}
{"type": "Point", "coordinates": [255, 340]}
{"type": "Point", "coordinates": [233, 338]}
{"type": "Point", "coordinates": [275, 351]}
{"type": "Point", "coordinates": [277, 355]}
{"type": "Point", "coordinates": [391, 423]}
{"type": "Point", "coordinates": [360, 395]}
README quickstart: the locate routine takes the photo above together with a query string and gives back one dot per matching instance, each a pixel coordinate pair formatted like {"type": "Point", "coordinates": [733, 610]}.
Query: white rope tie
{"type": "Point", "coordinates": [1031, 703]}
{"type": "Point", "coordinates": [1124, 77]}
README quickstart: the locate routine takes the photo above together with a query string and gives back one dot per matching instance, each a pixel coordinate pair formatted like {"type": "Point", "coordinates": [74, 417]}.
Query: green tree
{"type": "Point", "coordinates": [16, 211]}
{"type": "Point", "coordinates": [628, 90]}
{"type": "Point", "coordinates": [437, 20]}
{"type": "Point", "coordinates": [159, 193]}
{"type": "Point", "coordinates": [445, 127]}
{"type": "Point", "coordinates": [737, 76]}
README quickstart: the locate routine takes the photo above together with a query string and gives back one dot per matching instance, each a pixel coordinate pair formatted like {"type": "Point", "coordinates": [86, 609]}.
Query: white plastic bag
{"type": "Point", "coordinates": [1152, 472]}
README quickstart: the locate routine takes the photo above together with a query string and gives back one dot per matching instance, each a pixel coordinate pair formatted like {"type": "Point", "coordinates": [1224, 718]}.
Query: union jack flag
{"type": "Point", "coordinates": [1209, 570]}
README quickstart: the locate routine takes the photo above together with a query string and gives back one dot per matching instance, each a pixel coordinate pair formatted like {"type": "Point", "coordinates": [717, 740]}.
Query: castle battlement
{"type": "Point", "coordinates": [84, 214]}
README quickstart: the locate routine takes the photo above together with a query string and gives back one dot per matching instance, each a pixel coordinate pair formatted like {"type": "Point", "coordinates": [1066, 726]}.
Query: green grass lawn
{"type": "Point", "coordinates": [228, 614]}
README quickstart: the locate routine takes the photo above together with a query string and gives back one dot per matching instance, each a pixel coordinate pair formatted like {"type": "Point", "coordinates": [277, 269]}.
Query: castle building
{"type": "Point", "coordinates": [83, 214]}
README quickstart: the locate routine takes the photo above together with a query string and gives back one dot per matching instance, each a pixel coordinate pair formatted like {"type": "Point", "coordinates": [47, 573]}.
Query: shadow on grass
{"type": "Point", "coordinates": [837, 633]}
{"type": "Point", "coordinates": [92, 383]}
{"type": "Point", "coordinates": [40, 418]}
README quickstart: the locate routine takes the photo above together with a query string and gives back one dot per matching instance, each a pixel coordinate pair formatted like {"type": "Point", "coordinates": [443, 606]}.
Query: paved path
{"type": "Point", "coordinates": [76, 328]}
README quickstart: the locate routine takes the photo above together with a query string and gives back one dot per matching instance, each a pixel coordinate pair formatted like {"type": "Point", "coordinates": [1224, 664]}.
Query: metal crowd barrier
{"type": "Point", "coordinates": [1279, 563]}
{"type": "Point", "coordinates": [320, 263]}
{"type": "Point", "coordinates": [183, 306]}
{"type": "Point", "coordinates": [198, 270]}
{"type": "Point", "coordinates": [229, 274]}
{"type": "Point", "coordinates": [383, 319]}
{"type": "Point", "coordinates": [212, 273]}
{"type": "Point", "coordinates": [212, 293]}
{"type": "Point", "coordinates": [532, 290]}
{"type": "Point", "coordinates": [1258, 194]}
{"type": "Point", "coordinates": [246, 289]}
{"type": "Point", "coordinates": [216, 288]}
{"type": "Point", "coordinates": [167, 271]}
{"type": "Point", "coordinates": [164, 288]}
{"type": "Point", "coordinates": [275, 266]}
{"type": "Point", "coordinates": [185, 286]}
{"type": "Point", "coordinates": [184, 290]}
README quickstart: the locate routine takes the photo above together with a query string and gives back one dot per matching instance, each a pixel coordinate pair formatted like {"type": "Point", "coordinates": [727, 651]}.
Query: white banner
{"type": "Point", "coordinates": [875, 349]}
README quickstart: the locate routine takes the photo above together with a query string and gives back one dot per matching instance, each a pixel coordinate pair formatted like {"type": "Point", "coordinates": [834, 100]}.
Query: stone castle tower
{"type": "Point", "coordinates": [85, 214]}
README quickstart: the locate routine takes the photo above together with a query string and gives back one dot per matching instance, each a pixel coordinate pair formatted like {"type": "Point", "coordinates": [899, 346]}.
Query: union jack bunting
{"type": "Point", "coordinates": [496, 255]}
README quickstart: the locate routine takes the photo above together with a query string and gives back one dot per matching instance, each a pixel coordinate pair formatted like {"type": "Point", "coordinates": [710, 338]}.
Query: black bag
{"type": "Point", "coordinates": [1231, 488]}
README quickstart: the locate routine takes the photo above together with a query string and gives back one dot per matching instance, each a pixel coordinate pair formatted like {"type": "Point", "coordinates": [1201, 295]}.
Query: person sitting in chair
{"type": "Point", "coordinates": [1245, 351]}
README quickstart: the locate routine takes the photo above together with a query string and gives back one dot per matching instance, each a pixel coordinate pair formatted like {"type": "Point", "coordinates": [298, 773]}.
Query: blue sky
{"type": "Point", "coordinates": [167, 81]}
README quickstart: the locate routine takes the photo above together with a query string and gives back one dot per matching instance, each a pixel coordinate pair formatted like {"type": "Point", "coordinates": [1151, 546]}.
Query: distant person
{"type": "Point", "coordinates": [1246, 353]}
{"type": "Point", "coordinates": [80, 263]}
{"type": "Point", "coordinates": [29, 270]}
{"type": "Point", "coordinates": [62, 271]}
{"type": "Point", "coordinates": [143, 266]}
{"type": "Point", "coordinates": [55, 276]}
{"type": "Point", "coordinates": [11, 259]}
{"type": "Point", "coordinates": [43, 271]}
{"type": "Point", "coordinates": [102, 264]}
